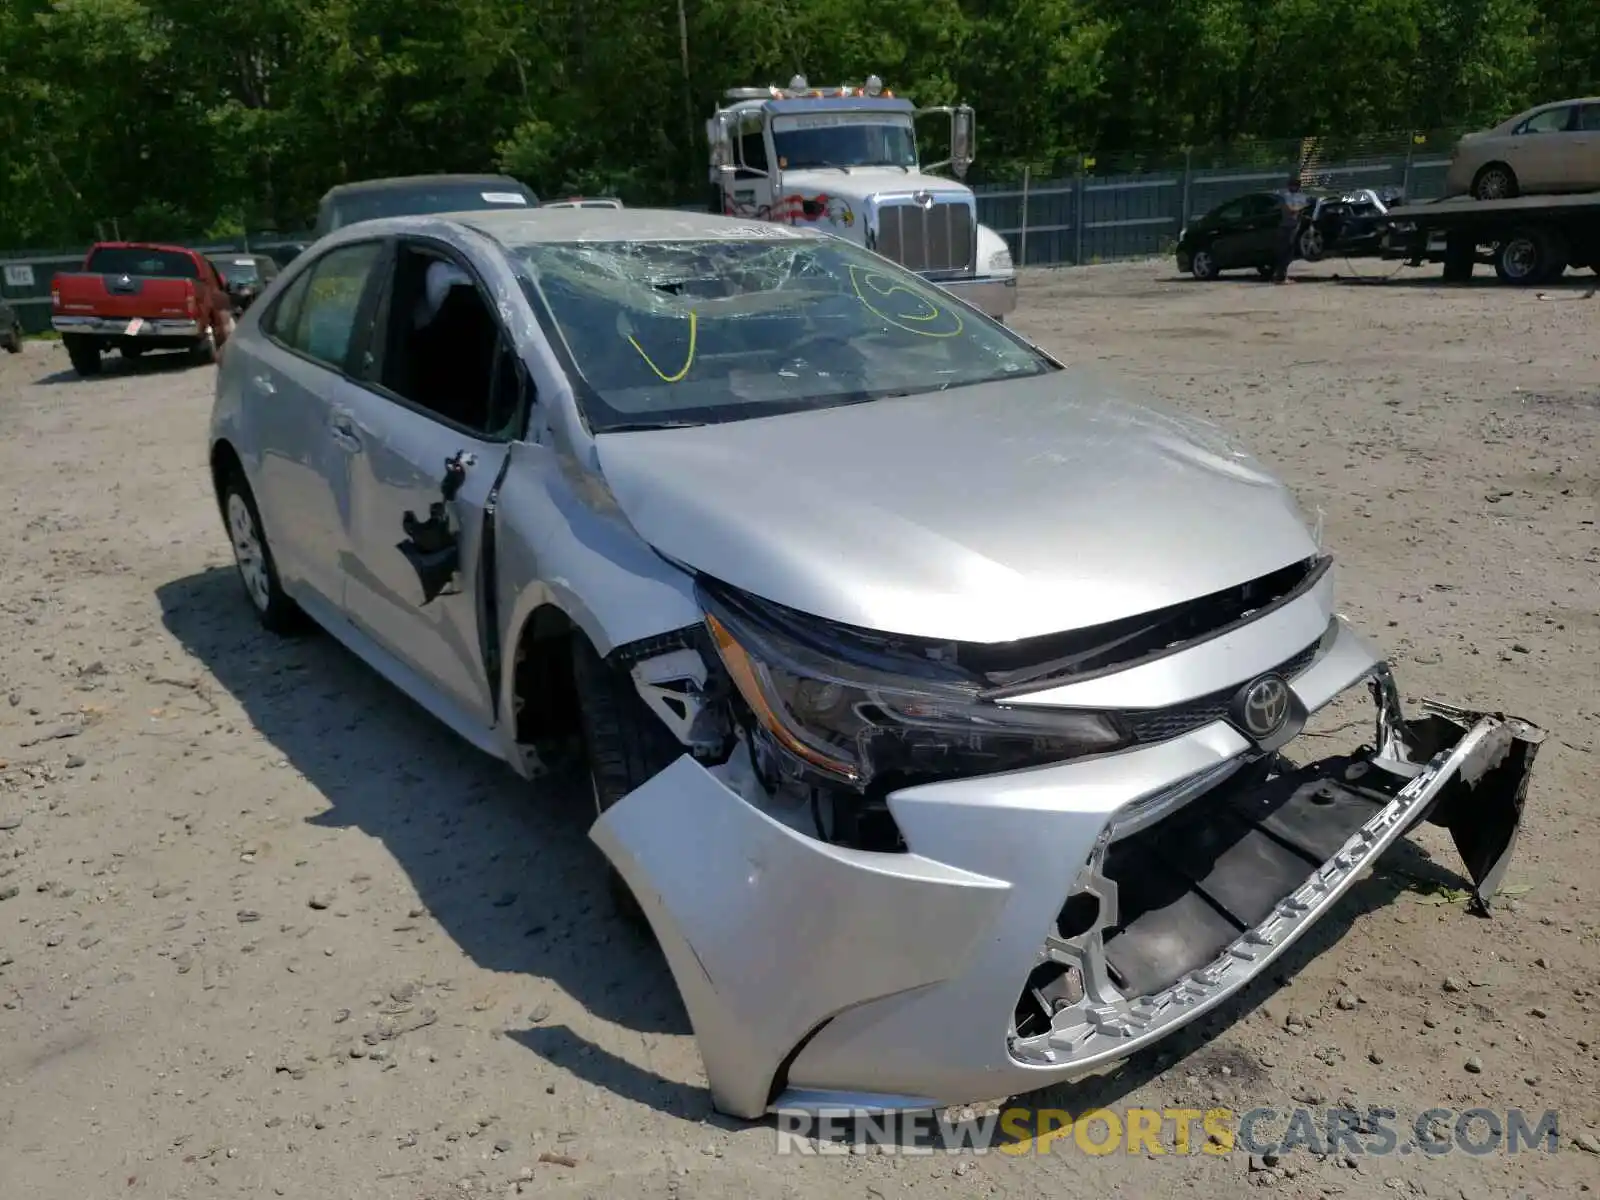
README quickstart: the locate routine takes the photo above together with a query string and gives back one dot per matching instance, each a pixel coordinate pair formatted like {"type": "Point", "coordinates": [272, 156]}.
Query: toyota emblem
{"type": "Point", "coordinates": [1263, 706]}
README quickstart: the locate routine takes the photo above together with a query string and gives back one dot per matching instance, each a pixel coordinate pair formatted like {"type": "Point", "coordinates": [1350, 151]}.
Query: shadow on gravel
{"type": "Point", "coordinates": [114, 367]}
{"type": "Point", "coordinates": [505, 866]}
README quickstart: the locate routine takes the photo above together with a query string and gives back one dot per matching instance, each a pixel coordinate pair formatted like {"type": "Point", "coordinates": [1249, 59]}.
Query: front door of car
{"type": "Point", "coordinates": [1238, 240]}
{"type": "Point", "coordinates": [444, 392]}
{"type": "Point", "coordinates": [1536, 151]}
{"type": "Point", "coordinates": [295, 377]}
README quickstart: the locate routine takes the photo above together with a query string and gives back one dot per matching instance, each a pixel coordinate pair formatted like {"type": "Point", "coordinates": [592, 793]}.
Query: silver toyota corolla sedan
{"type": "Point", "coordinates": [943, 704]}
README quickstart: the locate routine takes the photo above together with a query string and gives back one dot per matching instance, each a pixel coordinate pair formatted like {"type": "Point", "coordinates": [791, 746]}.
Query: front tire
{"type": "Point", "coordinates": [1496, 181]}
{"type": "Point", "coordinates": [14, 339]}
{"type": "Point", "coordinates": [1313, 245]}
{"type": "Point", "coordinates": [1203, 266]}
{"type": "Point", "coordinates": [626, 743]}
{"type": "Point", "coordinates": [253, 558]}
{"type": "Point", "coordinates": [83, 353]}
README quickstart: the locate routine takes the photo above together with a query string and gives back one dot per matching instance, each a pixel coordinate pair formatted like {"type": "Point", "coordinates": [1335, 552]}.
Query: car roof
{"type": "Point", "coordinates": [517, 227]}
{"type": "Point", "coordinates": [396, 183]}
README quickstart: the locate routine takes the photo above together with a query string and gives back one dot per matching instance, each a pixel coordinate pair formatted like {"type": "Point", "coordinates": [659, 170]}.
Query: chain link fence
{"type": "Point", "coordinates": [1056, 214]}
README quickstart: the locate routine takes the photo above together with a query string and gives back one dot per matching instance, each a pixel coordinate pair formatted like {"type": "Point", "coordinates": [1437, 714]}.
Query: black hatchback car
{"type": "Point", "coordinates": [1243, 232]}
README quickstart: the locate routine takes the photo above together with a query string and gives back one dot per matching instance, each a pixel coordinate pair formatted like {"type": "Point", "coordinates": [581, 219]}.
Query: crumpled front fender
{"type": "Point", "coordinates": [770, 933]}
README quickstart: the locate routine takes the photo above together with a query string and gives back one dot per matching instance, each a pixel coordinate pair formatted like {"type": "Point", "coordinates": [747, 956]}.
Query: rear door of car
{"type": "Point", "coordinates": [1583, 160]}
{"type": "Point", "coordinates": [414, 581]}
{"type": "Point", "coordinates": [295, 380]}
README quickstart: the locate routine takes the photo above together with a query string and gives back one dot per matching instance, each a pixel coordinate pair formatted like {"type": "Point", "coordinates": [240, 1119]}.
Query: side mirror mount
{"type": "Point", "coordinates": [719, 133]}
{"type": "Point", "coordinates": [963, 138]}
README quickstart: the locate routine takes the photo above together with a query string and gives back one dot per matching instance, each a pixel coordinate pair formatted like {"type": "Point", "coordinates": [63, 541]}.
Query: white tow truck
{"type": "Point", "coordinates": [844, 159]}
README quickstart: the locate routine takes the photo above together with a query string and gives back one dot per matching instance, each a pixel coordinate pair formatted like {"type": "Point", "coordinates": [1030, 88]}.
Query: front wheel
{"type": "Point", "coordinates": [1313, 244]}
{"type": "Point", "coordinates": [1496, 181]}
{"type": "Point", "coordinates": [253, 557]}
{"type": "Point", "coordinates": [14, 339]}
{"type": "Point", "coordinates": [1203, 265]}
{"type": "Point", "coordinates": [626, 743]}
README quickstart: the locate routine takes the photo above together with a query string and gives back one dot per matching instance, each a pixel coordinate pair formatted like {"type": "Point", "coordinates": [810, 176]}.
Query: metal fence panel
{"type": "Point", "coordinates": [1047, 222]}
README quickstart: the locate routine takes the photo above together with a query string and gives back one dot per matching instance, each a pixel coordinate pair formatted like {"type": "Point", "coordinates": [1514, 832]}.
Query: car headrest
{"type": "Point", "coordinates": [441, 277]}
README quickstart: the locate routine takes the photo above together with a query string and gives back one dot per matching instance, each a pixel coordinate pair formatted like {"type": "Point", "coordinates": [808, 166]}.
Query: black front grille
{"type": "Point", "coordinates": [937, 238]}
{"type": "Point", "coordinates": [1162, 724]}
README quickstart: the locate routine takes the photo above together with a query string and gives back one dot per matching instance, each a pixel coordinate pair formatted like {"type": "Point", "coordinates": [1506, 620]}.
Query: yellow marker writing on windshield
{"type": "Point", "coordinates": [687, 362]}
{"type": "Point", "coordinates": [900, 321]}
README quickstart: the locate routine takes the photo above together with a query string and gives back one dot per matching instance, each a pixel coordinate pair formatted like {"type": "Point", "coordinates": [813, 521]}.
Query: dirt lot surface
{"type": "Point", "coordinates": [266, 930]}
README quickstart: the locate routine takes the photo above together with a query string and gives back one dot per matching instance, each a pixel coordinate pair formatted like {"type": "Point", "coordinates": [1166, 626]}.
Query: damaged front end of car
{"type": "Point", "coordinates": [900, 873]}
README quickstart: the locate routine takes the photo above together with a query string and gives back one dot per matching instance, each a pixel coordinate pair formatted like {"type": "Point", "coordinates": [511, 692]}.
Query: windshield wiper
{"type": "Point", "coordinates": [643, 426]}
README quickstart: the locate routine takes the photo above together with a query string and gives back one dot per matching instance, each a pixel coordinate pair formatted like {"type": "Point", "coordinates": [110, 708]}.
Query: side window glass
{"type": "Point", "coordinates": [506, 391]}
{"type": "Point", "coordinates": [276, 323]}
{"type": "Point", "coordinates": [752, 145]}
{"type": "Point", "coordinates": [327, 315]}
{"type": "Point", "coordinates": [1589, 118]}
{"type": "Point", "coordinates": [1230, 211]}
{"type": "Point", "coordinates": [1552, 120]}
{"type": "Point", "coordinates": [442, 344]}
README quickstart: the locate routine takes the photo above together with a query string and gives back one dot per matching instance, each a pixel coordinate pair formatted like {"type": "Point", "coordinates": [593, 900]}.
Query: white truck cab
{"type": "Point", "coordinates": [844, 160]}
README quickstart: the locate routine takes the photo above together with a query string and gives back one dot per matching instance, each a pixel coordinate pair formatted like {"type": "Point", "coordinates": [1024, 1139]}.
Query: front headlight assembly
{"type": "Point", "coordinates": [871, 711]}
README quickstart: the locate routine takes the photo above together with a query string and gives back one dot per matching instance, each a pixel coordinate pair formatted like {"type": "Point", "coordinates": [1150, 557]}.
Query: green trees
{"type": "Point", "coordinates": [193, 117]}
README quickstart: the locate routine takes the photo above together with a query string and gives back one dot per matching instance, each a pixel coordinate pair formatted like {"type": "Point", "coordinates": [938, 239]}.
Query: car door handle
{"type": "Point", "coordinates": [263, 384]}
{"type": "Point", "coordinates": [342, 427]}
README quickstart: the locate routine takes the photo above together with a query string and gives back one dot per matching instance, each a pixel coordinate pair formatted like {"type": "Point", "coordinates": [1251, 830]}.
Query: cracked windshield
{"type": "Point", "coordinates": [687, 333]}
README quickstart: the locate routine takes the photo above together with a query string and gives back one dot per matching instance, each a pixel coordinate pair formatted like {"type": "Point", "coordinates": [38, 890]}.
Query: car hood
{"type": "Point", "coordinates": [983, 514]}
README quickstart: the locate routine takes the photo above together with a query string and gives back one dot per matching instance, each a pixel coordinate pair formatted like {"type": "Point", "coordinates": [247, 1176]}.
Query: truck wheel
{"type": "Point", "coordinates": [1527, 257]}
{"type": "Point", "coordinates": [253, 557]}
{"type": "Point", "coordinates": [204, 351]}
{"type": "Point", "coordinates": [83, 352]}
{"type": "Point", "coordinates": [627, 744]}
{"type": "Point", "coordinates": [1496, 181]}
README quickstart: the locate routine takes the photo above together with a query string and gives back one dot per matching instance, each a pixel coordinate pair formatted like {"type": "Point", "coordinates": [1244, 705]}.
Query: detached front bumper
{"type": "Point", "coordinates": [1043, 923]}
{"type": "Point", "coordinates": [995, 295]}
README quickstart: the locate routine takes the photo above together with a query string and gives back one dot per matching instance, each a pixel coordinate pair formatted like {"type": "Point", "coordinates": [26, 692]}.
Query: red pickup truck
{"type": "Point", "coordinates": [137, 296]}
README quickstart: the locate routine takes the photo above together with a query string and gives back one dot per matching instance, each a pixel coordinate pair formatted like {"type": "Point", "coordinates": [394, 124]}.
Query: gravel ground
{"type": "Point", "coordinates": [266, 930]}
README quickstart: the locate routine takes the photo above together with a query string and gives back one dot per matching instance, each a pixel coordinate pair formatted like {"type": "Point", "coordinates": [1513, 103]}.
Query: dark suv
{"type": "Point", "coordinates": [414, 194]}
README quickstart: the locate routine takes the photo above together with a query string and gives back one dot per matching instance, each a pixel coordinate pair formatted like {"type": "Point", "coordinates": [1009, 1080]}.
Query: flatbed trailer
{"type": "Point", "coordinates": [1529, 239]}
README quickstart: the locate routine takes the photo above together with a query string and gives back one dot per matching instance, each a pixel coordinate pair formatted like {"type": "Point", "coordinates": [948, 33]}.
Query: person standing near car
{"type": "Point", "coordinates": [1293, 205]}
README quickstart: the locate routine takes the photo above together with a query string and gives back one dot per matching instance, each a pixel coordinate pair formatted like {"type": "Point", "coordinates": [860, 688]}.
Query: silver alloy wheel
{"type": "Point", "coordinates": [1201, 265]}
{"type": "Point", "coordinates": [1520, 257]}
{"type": "Point", "coordinates": [1311, 244]}
{"type": "Point", "coordinates": [248, 552]}
{"type": "Point", "coordinates": [1494, 185]}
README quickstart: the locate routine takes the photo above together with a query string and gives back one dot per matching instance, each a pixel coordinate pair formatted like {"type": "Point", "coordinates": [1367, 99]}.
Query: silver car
{"type": "Point", "coordinates": [1550, 148]}
{"type": "Point", "coordinates": [941, 702]}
